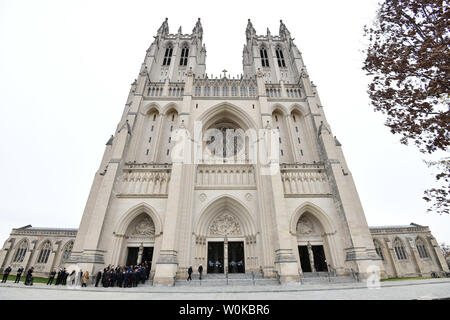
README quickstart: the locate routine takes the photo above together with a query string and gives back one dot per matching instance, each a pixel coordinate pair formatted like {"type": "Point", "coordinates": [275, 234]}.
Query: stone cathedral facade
{"type": "Point", "coordinates": [238, 174]}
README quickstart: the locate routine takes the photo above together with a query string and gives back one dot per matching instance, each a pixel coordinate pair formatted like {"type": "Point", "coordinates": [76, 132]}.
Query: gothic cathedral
{"type": "Point", "coordinates": [239, 175]}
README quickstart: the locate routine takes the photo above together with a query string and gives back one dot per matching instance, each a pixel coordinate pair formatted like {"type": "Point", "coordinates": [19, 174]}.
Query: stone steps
{"type": "Point", "coordinates": [327, 280]}
{"type": "Point", "coordinates": [234, 279]}
{"type": "Point", "coordinates": [223, 282]}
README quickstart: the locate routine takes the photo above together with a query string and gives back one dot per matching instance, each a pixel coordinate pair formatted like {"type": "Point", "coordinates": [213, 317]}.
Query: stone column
{"type": "Point", "coordinates": [393, 258]}
{"type": "Point", "coordinates": [225, 255]}
{"type": "Point", "coordinates": [311, 257]}
{"type": "Point", "coordinates": [51, 260]}
{"type": "Point", "coordinates": [417, 258]}
{"type": "Point", "coordinates": [295, 156]}
{"type": "Point", "coordinates": [141, 251]}
{"type": "Point", "coordinates": [438, 252]}
{"type": "Point", "coordinates": [29, 255]}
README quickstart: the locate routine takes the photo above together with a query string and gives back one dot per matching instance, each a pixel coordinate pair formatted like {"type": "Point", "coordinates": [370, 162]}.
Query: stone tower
{"type": "Point", "coordinates": [237, 174]}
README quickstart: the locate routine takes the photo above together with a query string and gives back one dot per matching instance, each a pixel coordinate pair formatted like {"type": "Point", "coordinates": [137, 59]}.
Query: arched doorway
{"type": "Point", "coordinates": [140, 240]}
{"type": "Point", "coordinates": [226, 238]}
{"type": "Point", "coordinates": [225, 245]}
{"type": "Point", "coordinates": [311, 245]}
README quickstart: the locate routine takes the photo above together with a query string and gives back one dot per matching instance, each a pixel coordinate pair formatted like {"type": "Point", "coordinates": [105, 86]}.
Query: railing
{"type": "Point", "coordinates": [145, 180]}
{"type": "Point", "coordinates": [301, 179]}
{"type": "Point", "coordinates": [225, 175]}
{"type": "Point", "coordinates": [225, 87]}
{"type": "Point", "coordinates": [245, 87]}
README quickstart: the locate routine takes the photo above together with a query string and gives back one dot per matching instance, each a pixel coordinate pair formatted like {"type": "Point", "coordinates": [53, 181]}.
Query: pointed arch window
{"type": "Point", "coordinates": [168, 55]}
{"type": "Point", "coordinates": [184, 55]}
{"type": "Point", "coordinates": [378, 250]}
{"type": "Point", "coordinates": [400, 250]}
{"type": "Point", "coordinates": [20, 252]}
{"type": "Point", "coordinates": [264, 57]}
{"type": "Point", "coordinates": [67, 251]}
{"type": "Point", "coordinates": [44, 253]}
{"type": "Point", "coordinates": [280, 58]}
{"type": "Point", "coordinates": [420, 245]}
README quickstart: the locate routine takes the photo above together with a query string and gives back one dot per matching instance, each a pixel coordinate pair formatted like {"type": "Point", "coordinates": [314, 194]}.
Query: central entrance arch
{"type": "Point", "coordinates": [226, 238]}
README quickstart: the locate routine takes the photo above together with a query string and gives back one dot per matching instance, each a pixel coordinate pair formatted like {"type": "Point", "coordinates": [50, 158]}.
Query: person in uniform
{"type": "Point", "coordinates": [6, 274]}
{"type": "Point", "coordinates": [52, 276]}
{"type": "Point", "coordinates": [19, 274]}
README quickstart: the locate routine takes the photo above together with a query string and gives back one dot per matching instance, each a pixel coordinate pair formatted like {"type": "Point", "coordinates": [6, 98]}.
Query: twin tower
{"type": "Point", "coordinates": [237, 175]}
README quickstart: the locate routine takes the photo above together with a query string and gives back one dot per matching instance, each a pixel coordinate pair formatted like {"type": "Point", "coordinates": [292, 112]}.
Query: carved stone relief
{"type": "Point", "coordinates": [144, 227]}
{"type": "Point", "coordinates": [304, 226]}
{"type": "Point", "coordinates": [226, 224]}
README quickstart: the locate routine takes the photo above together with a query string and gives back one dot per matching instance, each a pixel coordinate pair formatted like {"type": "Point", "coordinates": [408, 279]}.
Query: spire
{"type": "Point", "coordinates": [250, 32]}
{"type": "Point", "coordinates": [164, 29]}
{"type": "Point", "coordinates": [268, 32]}
{"type": "Point", "coordinates": [198, 29]}
{"type": "Point", "coordinates": [284, 32]}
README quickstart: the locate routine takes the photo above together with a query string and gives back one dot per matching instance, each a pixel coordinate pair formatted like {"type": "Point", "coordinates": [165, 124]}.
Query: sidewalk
{"type": "Point", "coordinates": [407, 289]}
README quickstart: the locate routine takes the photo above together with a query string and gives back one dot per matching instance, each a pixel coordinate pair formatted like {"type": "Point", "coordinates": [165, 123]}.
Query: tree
{"type": "Point", "coordinates": [408, 60]}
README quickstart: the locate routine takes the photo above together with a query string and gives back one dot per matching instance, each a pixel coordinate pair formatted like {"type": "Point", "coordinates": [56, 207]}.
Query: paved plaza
{"type": "Point", "coordinates": [392, 290]}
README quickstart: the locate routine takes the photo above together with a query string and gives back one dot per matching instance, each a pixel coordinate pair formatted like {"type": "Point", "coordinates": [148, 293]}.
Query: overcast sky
{"type": "Point", "coordinates": [66, 69]}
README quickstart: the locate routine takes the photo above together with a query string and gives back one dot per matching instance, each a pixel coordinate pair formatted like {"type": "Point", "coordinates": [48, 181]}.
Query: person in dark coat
{"type": "Point", "coordinates": [65, 274]}
{"type": "Point", "coordinates": [6, 274]}
{"type": "Point", "coordinates": [189, 274]}
{"type": "Point", "coordinates": [105, 277]}
{"type": "Point", "coordinates": [119, 276]}
{"type": "Point", "coordinates": [126, 278]}
{"type": "Point", "coordinates": [19, 274]}
{"type": "Point", "coordinates": [29, 278]}
{"type": "Point", "coordinates": [52, 276]}
{"type": "Point", "coordinates": [98, 278]}
{"type": "Point", "coordinates": [200, 270]}
{"type": "Point", "coordinates": [133, 278]}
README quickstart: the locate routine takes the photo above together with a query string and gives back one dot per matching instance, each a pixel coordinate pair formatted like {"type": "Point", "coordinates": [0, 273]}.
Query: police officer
{"type": "Point", "coordinates": [19, 274]}
{"type": "Point", "coordinates": [6, 274]}
{"type": "Point", "coordinates": [52, 276]}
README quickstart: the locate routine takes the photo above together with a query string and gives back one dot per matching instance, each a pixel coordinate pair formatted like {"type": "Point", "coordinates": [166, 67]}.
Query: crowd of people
{"type": "Point", "coordinates": [111, 276]}
{"type": "Point", "coordinates": [123, 276]}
